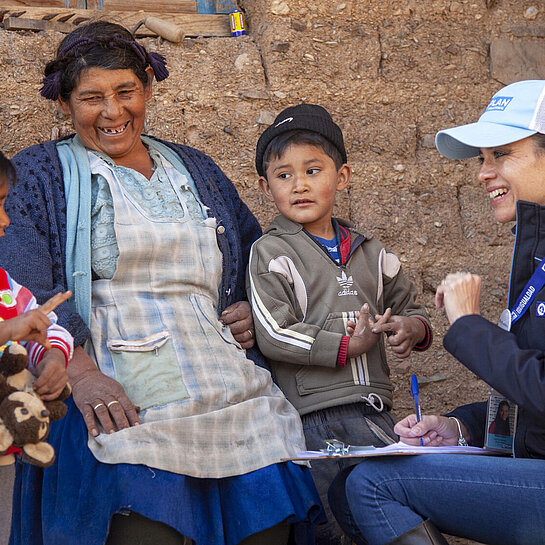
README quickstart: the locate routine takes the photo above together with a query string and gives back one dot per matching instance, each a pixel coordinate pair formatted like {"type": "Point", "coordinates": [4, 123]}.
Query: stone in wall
{"type": "Point", "coordinates": [517, 60]}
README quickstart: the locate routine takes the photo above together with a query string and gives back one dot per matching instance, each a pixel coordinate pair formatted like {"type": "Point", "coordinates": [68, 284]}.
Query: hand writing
{"type": "Point", "coordinates": [434, 430]}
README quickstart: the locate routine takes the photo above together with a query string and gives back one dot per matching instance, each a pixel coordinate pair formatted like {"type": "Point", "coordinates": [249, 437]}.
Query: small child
{"type": "Point", "coordinates": [49, 346]}
{"type": "Point", "coordinates": [308, 277]}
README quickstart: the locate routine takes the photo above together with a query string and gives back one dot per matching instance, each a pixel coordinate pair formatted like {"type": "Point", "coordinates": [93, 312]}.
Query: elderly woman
{"type": "Point", "coordinates": [492, 500]}
{"type": "Point", "coordinates": [175, 434]}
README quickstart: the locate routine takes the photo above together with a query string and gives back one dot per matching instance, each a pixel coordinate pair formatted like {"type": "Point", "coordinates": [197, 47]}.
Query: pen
{"type": "Point", "coordinates": [414, 393]}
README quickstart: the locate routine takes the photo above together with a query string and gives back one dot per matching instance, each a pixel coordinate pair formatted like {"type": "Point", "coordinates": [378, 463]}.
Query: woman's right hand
{"type": "Point", "coordinates": [98, 397]}
{"type": "Point", "coordinates": [435, 431]}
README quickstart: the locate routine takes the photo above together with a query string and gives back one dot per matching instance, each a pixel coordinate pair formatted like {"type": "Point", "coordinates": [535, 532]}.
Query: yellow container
{"type": "Point", "coordinates": [238, 28]}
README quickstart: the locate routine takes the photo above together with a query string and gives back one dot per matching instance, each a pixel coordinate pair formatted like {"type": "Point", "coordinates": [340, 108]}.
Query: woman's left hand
{"type": "Point", "coordinates": [238, 317]}
{"type": "Point", "coordinates": [459, 293]}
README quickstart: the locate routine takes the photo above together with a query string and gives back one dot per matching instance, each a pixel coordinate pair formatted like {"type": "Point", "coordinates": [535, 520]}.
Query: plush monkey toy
{"type": "Point", "coordinates": [24, 417]}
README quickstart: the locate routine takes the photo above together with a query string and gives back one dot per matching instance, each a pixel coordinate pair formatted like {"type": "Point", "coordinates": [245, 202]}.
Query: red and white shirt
{"type": "Point", "coordinates": [16, 300]}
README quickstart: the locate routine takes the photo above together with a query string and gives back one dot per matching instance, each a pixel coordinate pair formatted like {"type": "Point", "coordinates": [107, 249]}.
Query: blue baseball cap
{"type": "Point", "coordinates": [515, 112]}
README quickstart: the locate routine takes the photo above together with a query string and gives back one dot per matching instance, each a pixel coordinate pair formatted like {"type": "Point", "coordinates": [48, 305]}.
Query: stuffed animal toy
{"type": "Point", "coordinates": [24, 417]}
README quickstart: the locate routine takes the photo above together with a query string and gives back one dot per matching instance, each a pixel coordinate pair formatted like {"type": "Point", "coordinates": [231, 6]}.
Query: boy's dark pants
{"type": "Point", "coordinates": [354, 424]}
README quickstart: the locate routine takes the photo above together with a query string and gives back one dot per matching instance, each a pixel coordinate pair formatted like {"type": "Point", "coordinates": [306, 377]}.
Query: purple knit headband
{"type": "Point", "coordinates": [52, 83]}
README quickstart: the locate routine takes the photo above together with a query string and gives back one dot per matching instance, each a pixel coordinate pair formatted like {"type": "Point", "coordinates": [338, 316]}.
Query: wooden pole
{"type": "Point", "coordinates": [167, 30]}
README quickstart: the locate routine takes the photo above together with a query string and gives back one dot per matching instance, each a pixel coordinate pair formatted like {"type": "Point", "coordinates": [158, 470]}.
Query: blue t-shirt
{"type": "Point", "coordinates": [331, 246]}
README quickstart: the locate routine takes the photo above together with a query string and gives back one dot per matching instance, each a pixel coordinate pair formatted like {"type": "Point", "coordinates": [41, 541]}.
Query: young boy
{"type": "Point", "coordinates": [308, 277]}
{"type": "Point", "coordinates": [49, 345]}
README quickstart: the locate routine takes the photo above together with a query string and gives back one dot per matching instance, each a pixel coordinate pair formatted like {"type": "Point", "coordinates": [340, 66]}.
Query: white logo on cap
{"type": "Point", "coordinates": [287, 120]}
{"type": "Point", "coordinates": [498, 104]}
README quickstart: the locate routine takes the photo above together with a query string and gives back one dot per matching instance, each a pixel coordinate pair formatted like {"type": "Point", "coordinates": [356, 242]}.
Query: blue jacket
{"type": "Point", "coordinates": [511, 362]}
{"type": "Point", "coordinates": [33, 248]}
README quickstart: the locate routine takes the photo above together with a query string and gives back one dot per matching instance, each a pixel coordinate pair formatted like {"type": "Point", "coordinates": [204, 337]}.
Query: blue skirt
{"type": "Point", "coordinates": [72, 501]}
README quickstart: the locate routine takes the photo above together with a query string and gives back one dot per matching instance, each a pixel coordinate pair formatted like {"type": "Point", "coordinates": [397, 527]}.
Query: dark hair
{"type": "Point", "coordinates": [100, 44]}
{"type": "Point", "coordinates": [7, 170]}
{"type": "Point", "coordinates": [280, 143]}
{"type": "Point", "coordinates": [539, 140]}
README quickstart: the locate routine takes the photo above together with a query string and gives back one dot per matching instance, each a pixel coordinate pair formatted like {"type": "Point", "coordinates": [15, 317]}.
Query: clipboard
{"type": "Point", "coordinates": [396, 449]}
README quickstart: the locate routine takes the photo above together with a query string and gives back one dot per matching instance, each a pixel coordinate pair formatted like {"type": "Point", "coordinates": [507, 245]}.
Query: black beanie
{"type": "Point", "coordinates": [309, 117]}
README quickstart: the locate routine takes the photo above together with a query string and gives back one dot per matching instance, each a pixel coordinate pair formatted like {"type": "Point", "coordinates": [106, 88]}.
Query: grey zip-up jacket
{"type": "Point", "coordinates": [301, 301]}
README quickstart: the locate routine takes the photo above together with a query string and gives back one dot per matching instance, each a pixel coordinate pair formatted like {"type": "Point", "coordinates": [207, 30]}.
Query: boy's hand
{"type": "Point", "coordinates": [407, 333]}
{"type": "Point", "coordinates": [238, 317]}
{"type": "Point", "coordinates": [362, 334]}
{"type": "Point", "coordinates": [32, 325]}
{"type": "Point", "coordinates": [51, 372]}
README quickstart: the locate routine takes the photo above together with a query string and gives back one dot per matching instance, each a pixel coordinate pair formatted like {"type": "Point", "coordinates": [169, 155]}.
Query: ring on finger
{"type": "Point", "coordinates": [111, 403]}
{"type": "Point", "coordinates": [97, 406]}
{"type": "Point", "coordinates": [251, 332]}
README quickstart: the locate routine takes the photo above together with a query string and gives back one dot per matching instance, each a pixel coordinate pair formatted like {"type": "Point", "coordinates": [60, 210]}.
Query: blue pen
{"type": "Point", "coordinates": [414, 393]}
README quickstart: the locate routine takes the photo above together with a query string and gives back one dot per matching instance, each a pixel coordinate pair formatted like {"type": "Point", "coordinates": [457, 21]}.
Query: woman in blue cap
{"type": "Point", "coordinates": [410, 500]}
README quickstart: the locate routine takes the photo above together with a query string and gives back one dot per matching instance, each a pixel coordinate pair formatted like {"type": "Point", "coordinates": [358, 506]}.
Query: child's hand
{"type": "Point", "coordinates": [51, 372]}
{"type": "Point", "coordinates": [407, 332]}
{"type": "Point", "coordinates": [32, 325]}
{"type": "Point", "coordinates": [362, 334]}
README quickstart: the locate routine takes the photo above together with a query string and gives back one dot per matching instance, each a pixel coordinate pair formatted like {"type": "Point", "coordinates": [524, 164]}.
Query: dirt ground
{"type": "Point", "coordinates": [392, 74]}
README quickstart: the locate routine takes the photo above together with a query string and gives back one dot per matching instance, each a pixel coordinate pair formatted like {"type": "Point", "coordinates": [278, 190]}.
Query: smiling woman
{"type": "Point", "coordinates": [174, 434]}
{"type": "Point", "coordinates": [510, 173]}
{"type": "Point", "coordinates": [108, 111]}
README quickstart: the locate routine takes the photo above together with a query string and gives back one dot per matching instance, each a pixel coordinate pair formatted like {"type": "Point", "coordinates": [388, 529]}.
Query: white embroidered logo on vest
{"type": "Point", "coordinates": [345, 283]}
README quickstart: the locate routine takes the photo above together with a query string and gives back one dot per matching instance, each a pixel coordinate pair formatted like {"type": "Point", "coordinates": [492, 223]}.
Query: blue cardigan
{"type": "Point", "coordinates": [33, 248]}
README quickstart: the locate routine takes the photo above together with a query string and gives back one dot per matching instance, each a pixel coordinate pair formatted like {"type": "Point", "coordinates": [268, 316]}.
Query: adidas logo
{"type": "Point", "coordinates": [345, 282]}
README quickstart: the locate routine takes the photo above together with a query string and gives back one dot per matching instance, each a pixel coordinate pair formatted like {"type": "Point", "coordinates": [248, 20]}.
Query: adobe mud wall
{"type": "Point", "coordinates": [392, 74]}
